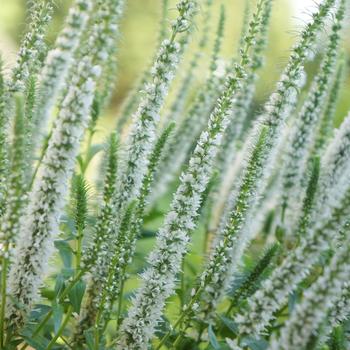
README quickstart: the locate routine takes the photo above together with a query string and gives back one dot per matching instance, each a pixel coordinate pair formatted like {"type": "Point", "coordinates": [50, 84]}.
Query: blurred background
{"type": "Point", "coordinates": [139, 38]}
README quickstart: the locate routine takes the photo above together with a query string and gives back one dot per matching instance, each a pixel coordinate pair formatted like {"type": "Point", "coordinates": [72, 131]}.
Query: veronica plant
{"type": "Point", "coordinates": [95, 258]}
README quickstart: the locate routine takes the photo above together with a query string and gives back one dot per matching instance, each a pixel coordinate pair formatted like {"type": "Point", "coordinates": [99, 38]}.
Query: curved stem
{"type": "Point", "coordinates": [61, 329]}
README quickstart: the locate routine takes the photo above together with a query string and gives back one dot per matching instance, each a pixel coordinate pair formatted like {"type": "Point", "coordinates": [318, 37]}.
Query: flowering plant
{"type": "Point", "coordinates": [277, 181]}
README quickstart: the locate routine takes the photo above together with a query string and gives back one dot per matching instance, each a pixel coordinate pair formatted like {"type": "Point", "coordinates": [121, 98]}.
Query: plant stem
{"type": "Point", "coordinates": [120, 303]}
{"type": "Point", "coordinates": [42, 154]}
{"type": "Point", "coordinates": [182, 299]}
{"type": "Point", "coordinates": [4, 265]}
{"type": "Point", "coordinates": [61, 329]}
{"type": "Point", "coordinates": [60, 300]}
{"type": "Point", "coordinates": [87, 152]}
{"type": "Point", "coordinates": [181, 317]}
{"type": "Point", "coordinates": [79, 243]}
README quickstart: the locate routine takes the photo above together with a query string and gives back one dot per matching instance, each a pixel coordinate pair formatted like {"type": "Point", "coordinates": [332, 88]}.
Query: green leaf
{"type": "Point", "coordinates": [89, 336]}
{"type": "Point", "coordinates": [59, 285]}
{"type": "Point", "coordinates": [37, 343]}
{"type": "Point", "coordinates": [39, 311]}
{"type": "Point", "coordinates": [84, 163]}
{"type": "Point", "coordinates": [292, 301]}
{"type": "Point", "coordinates": [147, 234]}
{"type": "Point", "coordinates": [65, 251]}
{"type": "Point", "coordinates": [153, 215]}
{"type": "Point", "coordinates": [212, 339]}
{"type": "Point", "coordinates": [57, 316]}
{"type": "Point", "coordinates": [255, 344]}
{"type": "Point", "coordinates": [231, 325]}
{"type": "Point", "coordinates": [76, 296]}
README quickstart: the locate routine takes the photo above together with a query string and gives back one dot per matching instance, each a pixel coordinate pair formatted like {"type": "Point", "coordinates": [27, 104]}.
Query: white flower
{"type": "Point", "coordinates": [40, 223]}
{"type": "Point", "coordinates": [32, 46]}
{"type": "Point", "coordinates": [59, 60]}
{"type": "Point", "coordinates": [226, 255]}
{"type": "Point", "coordinates": [318, 300]}
{"type": "Point", "coordinates": [172, 240]}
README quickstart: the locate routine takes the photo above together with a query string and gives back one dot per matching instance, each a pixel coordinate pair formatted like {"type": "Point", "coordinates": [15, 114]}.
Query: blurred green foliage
{"type": "Point", "coordinates": [139, 38]}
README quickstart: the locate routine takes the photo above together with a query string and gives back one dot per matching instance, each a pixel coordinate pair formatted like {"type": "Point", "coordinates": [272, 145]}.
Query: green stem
{"type": "Point", "coordinates": [61, 329]}
{"type": "Point", "coordinates": [120, 303]}
{"type": "Point", "coordinates": [182, 299]}
{"type": "Point", "coordinates": [60, 300]}
{"type": "Point", "coordinates": [88, 148]}
{"type": "Point", "coordinates": [181, 317]}
{"type": "Point", "coordinates": [97, 336]}
{"type": "Point", "coordinates": [79, 244]}
{"type": "Point", "coordinates": [178, 340]}
{"type": "Point", "coordinates": [40, 160]}
{"type": "Point", "coordinates": [4, 264]}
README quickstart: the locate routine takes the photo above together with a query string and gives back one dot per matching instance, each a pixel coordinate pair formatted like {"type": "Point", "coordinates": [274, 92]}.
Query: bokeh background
{"type": "Point", "coordinates": [139, 38]}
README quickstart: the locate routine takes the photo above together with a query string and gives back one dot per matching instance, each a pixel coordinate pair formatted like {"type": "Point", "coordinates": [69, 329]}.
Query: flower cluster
{"type": "Point", "coordinates": [190, 127]}
{"type": "Point", "coordinates": [40, 223]}
{"type": "Point", "coordinates": [173, 238]}
{"type": "Point", "coordinates": [229, 249]}
{"type": "Point", "coordinates": [142, 135]}
{"type": "Point", "coordinates": [307, 318]}
{"type": "Point", "coordinates": [302, 133]}
{"type": "Point", "coordinates": [14, 197]}
{"type": "Point", "coordinates": [60, 59]}
{"type": "Point", "coordinates": [133, 169]}
{"type": "Point", "coordinates": [296, 266]}
{"type": "Point", "coordinates": [33, 46]}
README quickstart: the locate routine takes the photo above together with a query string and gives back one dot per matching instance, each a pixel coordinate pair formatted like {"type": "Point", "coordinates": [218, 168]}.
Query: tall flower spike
{"type": "Point", "coordinates": [309, 198]}
{"type": "Point", "coordinates": [9, 225]}
{"type": "Point", "coordinates": [33, 47]}
{"type": "Point", "coordinates": [218, 270]}
{"type": "Point", "coordinates": [132, 100]}
{"type": "Point", "coordinates": [40, 223]}
{"type": "Point", "coordinates": [245, 97]}
{"type": "Point", "coordinates": [105, 34]}
{"type": "Point", "coordinates": [3, 141]}
{"type": "Point", "coordinates": [172, 240]}
{"type": "Point", "coordinates": [101, 229]}
{"type": "Point", "coordinates": [275, 290]}
{"type": "Point", "coordinates": [93, 256]}
{"type": "Point", "coordinates": [302, 134]}
{"type": "Point", "coordinates": [107, 282]}
{"type": "Point", "coordinates": [240, 111]}
{"type": "Point", "coordinates": [142, 136]}
{"type": "Point", "coordinates": [226, 255]}
{"type": "Point", "coordinates": [301, 328]}
{"type": "Point", "coordinates": [326, 127]}
{"type": "Point", "coordinates": [60, 59]}
{"type": "Point", "coordinates": [188, 131]}
{"type": "Point", "coordinates": [178, 105]}
{"type": "Point", "coordinates": [124, 245]}
{"type": "Point", "coordinates": [112, 282]}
